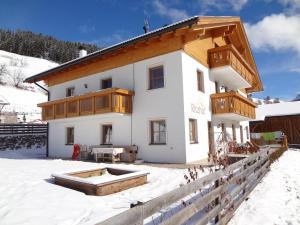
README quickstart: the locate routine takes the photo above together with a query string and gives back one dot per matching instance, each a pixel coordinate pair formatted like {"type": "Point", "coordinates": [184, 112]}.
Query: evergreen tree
{"type": "Point", "coordinates": [41, 46]}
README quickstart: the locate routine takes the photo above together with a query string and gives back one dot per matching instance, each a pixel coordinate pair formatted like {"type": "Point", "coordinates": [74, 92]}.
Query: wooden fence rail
{"type": "Point", "coordinates": [221, 199]}
{"type": "Point", "coordinates": [22, 129]}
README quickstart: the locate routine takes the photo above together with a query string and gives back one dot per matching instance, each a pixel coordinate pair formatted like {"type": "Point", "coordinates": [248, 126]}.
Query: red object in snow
{"type": "Point", "coordinates": [76, 151]}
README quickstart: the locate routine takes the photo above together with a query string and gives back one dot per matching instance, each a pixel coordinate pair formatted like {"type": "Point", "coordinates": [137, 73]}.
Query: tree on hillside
{"type": "Point", "coordinates": [17, 77]}
{"type": "Point", "coordinates": [41, 46]}
{"type": "Point", "coordinates": [3, 72]}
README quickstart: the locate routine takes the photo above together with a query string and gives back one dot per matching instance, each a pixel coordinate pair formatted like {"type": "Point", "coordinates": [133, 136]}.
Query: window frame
{"type": "Point", "coordinates": [149, 77]}
{"type": "Point", "coordinates": [194, 131]}
{"type": "Point", "coordinates": [67, 91]}
{"type": "Point", "coordinates": [103, 127]}
{"type": "Point", "coordinates": [200, 82]}
{"type": "Point", "coordinates": [103, 80]}
{"type": "Point", "coordinates": [70, 142]}
{"type": "Point", "coordinates": [151, 132]}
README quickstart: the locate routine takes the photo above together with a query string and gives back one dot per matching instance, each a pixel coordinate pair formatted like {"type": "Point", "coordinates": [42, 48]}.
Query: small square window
{"type": "Point", "coordinates": [156, 77]}
{"type": "Point", "coordinates": [107, 83]}
{"type": "Point", "coordinates": [70, 91]}
{"type": "Point", "coordinates": [158, 132]}
{"type": "Point", "coordinates": [70, 136]}
{"type": "Point", "coordinates": [200, 81]}
{"type": "Point", "coordinates": [193, 131]}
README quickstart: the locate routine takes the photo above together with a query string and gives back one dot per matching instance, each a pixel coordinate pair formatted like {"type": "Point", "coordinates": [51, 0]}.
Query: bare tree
{"type": "Point", "coordinates": [3, 72]}
{"type": "Point", "coordinates": [17, 77]}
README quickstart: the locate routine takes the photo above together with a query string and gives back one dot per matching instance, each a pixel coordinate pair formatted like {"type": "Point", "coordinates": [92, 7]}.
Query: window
{"type": "Point", "coordinates": [156, 77]}
{"type": "Point", "coordinates": [224, 135]}
{"type": "Point", "coordinates": [158, 132]}
{"type": "Point", "coordinates": [193, 131]}
{"type": "Point", "coordinates": [70, 136]}
{"type": "Point", "coordinates": [70, 91]}
{"type": "Point", "coordinates": [107, 83]}
{"type": "Point", "coordinates": [107, 134]}
{"type": "Point", "coordinates": [200, 81]}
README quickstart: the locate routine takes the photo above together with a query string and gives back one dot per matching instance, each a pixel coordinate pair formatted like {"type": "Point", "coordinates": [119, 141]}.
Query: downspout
{"type": "Point", "coordinates": [133, 87]}
{"type": "Point", "coordinates": [48, 94]}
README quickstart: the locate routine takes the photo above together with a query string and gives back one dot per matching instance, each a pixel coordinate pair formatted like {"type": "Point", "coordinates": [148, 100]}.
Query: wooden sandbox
{"type": "Point", "coordinates": [101, 181]}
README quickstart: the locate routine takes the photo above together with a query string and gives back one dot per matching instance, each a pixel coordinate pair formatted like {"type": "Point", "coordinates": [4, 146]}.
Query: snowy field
{"type": "Point", "coordinates": [29, 197]}
{"type": "Point", "coordinates": [276, 200]}
{"type": "Point", "coordinates": [22, 101]}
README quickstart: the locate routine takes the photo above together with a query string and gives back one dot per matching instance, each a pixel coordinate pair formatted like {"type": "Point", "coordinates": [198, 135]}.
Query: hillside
{"type": "Point", "coordinates": [22, 98]}
{"type": "Point", "coordinates": [41, 46]}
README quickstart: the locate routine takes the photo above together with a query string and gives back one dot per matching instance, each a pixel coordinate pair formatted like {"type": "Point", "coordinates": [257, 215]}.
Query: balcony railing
{"type": "Point", "coordinates": [228, 56]}
{"type": "Point", "coordinates": [232, 102]}
{"type": "Point", "coordinates": [104, 101]}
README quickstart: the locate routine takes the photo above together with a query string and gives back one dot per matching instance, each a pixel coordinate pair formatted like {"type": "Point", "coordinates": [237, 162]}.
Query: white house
{"type": "Point", "coordinates": [170, 92]}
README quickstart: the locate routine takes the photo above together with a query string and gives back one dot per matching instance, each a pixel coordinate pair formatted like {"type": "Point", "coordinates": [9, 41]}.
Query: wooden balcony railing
{"type": "Point", "coordinates": [228, 56]}
{"type": "Point", "coordinates": [104, 101]}
{"type": "Point", "coordinates": [232, 102]}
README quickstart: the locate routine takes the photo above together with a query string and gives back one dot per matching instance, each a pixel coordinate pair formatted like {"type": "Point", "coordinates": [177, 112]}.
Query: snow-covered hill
{"type": "Point", "coordinates": [269, 101]}
{"type": "Point", "coordinates": [14, 69]}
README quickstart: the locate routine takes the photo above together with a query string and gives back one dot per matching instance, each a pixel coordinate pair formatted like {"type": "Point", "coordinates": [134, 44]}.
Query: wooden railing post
{"type": "Point", "coordinates": [217, 200]}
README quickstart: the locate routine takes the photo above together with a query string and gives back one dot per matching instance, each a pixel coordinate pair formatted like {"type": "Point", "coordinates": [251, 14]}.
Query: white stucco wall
{"type": "Point", "coordinates": [164, 103]}
{"type": "Point", "coordinates": [87, 131]}
{"type": "Point", "coordinates": [196, 106]}
{"type": "Point", "coordinates": [177, 102]}
{"type": "Point", "coordinates": [121, 78]}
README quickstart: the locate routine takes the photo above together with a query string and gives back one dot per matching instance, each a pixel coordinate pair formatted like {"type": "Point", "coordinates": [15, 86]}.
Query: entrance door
{"type": "Point", "coordinates": [241, 133]}
{"type": "Point", "coordinates": [233, 133]}
{"type": "Point", "coordinates": [210, 138]}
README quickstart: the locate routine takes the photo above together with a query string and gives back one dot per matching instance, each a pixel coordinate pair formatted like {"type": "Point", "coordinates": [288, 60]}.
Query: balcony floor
{"type": "Point", "coordinates": [231, 116]}
{"type": "Point", "coordinates": [229, 77]}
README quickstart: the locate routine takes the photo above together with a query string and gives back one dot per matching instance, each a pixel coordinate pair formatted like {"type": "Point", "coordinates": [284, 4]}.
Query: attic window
{"type": "Point", "coordinates": [106, 83]}
{"type": "Point", "coordinates": [70, 91]}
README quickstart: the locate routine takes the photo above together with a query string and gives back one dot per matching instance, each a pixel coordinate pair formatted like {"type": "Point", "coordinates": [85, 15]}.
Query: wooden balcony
{"type": "Point", "coordinates": [228, 65]}
{"type": "Point", "coordinates": [112, 100]}
{"type": "Point", "coordinates": [232, 105]}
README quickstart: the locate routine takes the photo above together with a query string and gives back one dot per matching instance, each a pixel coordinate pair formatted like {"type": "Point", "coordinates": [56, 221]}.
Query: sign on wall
{"type": "Point", "coordinates": [198, 107]}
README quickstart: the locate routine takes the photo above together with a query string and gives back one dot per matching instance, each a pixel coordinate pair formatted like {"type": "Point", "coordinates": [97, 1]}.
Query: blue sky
{"type": "Point", "coordinates": [273, 27]}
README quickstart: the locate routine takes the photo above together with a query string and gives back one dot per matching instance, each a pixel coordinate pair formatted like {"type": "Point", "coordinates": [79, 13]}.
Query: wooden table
{"type": "Point", "coordinates": [113, 154]}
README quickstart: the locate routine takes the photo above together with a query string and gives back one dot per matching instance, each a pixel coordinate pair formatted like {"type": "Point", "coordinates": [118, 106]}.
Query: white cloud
{"type": "Point", "coordinates": [296, 70]}
{"type": "Point", "coordinates": [116, 37]}
{"type": "Point", "coordinates": [292, 6]}
{"type": "Point", "coordinates": [86, 28]}
{"type": "Point", "coordinates": [277, 32]}
{"type": "Point", "coordinates": [222, 5]}
{"type": "Point", "coordinates": [171, 13]}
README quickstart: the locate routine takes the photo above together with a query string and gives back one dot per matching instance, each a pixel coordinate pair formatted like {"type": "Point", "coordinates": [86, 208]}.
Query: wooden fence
{"type": "Point", "coordinates": [22, 129]}
{"type": "Point", "coordinates": [222, 192]}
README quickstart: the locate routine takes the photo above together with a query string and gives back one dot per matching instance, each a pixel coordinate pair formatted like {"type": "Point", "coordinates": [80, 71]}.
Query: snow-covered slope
{"type": "Point", "coordinates": [22, 100]}
{"type": "Point", "coordinates": [263, 102]}
{"type": "Point", "coordinates": [279, 109]}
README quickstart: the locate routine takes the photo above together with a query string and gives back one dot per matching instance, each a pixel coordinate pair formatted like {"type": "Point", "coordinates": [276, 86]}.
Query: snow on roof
{"type": "Point", "coordinates": [278, 109]}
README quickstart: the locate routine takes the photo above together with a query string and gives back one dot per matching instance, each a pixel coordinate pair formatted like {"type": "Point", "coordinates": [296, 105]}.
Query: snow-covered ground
{"type": "Point", "coordinates": [22, 101]}
{"type": "Point", "coordinates": [276, 200]}
{"type": "Point", "coordinates": [29, 197]}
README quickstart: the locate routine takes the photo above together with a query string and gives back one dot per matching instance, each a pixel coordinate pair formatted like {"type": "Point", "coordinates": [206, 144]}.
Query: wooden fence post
{"type": "Point", "coordinates": [217, 200]}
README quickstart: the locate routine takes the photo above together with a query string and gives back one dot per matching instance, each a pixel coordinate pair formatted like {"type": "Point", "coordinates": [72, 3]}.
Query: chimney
{"type": "Point", "coordinates": [146, 27]}
{"type": "Point", "coordinates": [82, 52]}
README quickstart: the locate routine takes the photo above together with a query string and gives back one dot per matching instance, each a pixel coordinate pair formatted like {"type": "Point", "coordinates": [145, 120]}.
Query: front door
{"type": "Point", "coordinates": [210, 138]}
